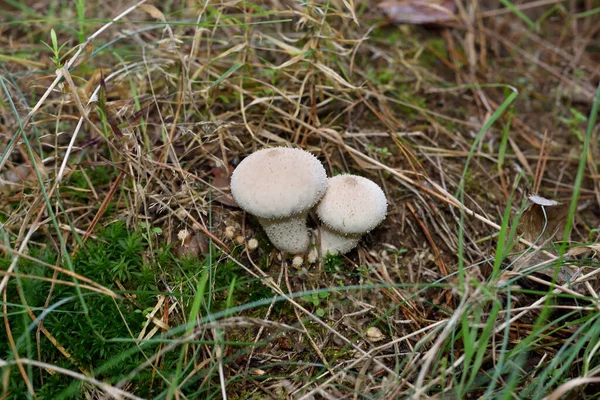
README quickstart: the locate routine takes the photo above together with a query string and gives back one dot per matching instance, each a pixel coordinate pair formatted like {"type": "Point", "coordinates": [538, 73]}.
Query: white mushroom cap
{"type": "Point", "coordinates": [278, 182]}
{"type": "Point", "coordinates": [352, 205]}
{"type": "Point", "coordinates": [279, 186]}
{"type": "Point", "coordinates": [298, 261]}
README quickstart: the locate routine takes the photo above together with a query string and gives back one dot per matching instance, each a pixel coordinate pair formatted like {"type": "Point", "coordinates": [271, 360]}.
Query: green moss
{"type": "Point", "coordinates": [100, 341]}
{"type": "Point", "coordinates": [333, 263]}
{"type": "Point", "coordinates": [434, 49]}
{"type": "Point", "coordinates": [78, 185]}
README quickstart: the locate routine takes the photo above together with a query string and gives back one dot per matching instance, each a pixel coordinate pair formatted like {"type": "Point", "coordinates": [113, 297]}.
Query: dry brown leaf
{"type": "Point", "coordinates": [152, 11]}
{"type": "Point", "coordinates": [419, 11]}
{"type": "Point", "coordinates": [13, 179]}
{"type": "Point", "coordinates": [221, 182]}
{"type": "Point", "coordinates": [17, 175]}
{"type": "Point", "coordinates": [333, 75]}
{"type": "Point", "coordinates": [579, 250]}
{"type": "Point", "coordinates": [194, 245]}
{"type": "Point", "coordinates": [543, 219]}
{"type": "Point", "coordinates": [542, 222]}
{"type": "Point", "coordinates": [349, 4]}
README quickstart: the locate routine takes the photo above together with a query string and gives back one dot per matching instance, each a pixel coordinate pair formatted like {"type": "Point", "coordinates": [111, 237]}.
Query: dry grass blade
{"type": "Point", "coordinates": [567, 387]}
{"type": "Point", "coordinates": [108, 389]}
{"type": "Point", "coordinates": [121, 240]}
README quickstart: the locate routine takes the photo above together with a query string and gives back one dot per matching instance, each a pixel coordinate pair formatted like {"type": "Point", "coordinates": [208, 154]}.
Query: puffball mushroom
{"type": "Point", "coordinates": [351, 207]}
{"type": "Point", "coordinates": [279, 186]}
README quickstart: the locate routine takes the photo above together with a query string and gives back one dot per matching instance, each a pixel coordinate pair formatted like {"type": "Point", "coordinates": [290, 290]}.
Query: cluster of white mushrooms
{"type": "Point", "coordinates": [281, 185]}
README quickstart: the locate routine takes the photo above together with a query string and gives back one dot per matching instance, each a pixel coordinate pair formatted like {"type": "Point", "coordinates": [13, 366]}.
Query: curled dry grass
{"type": "Point", "coordinates": [466, 288]}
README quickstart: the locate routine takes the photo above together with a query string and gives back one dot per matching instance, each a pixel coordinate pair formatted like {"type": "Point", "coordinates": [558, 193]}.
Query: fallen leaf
{"type": "Point", "coordinates": [579, 250]}
{"type": "Point", "coordinates": [193, 245]}
{"type": "Point", "coordinates": [221, 182]}
{"type": "Point", "coordinates": [152, 11]}
{"type": "Point", "coordinates": [542, 219]}
{"type": "Point", "coordinates": [542, 222]}
{"type": "Point", "coordinates": [419, 11]}
{"type": "Point", "coordinates": [17, 175]}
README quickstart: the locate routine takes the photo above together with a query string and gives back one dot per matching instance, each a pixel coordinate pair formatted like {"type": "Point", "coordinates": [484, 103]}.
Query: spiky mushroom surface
{"type": "Point", "coordinates": [279, 186]}
{"type": "Point", "coordinates": [353, 205]}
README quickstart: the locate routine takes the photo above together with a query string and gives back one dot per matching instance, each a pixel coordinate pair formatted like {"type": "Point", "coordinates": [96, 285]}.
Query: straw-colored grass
{"type": "Point", "coordinates": [124, 266]}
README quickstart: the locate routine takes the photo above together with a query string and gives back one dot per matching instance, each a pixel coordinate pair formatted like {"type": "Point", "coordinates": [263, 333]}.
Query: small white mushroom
{"type": "Point", "coordinates": [280, 186]}
{"type": "Point", "coordinates": [252, 244]}
{"type": "Point", "coordinates": [374, 334]}
{"type": "Point", "coordinates": [297, 261]}
{"type": "Point", "coordinates": [312, 256]}
{"type": "Point", "coordinates": [352, 206]}
{"type": "Point", "coordinates": [230, 232]}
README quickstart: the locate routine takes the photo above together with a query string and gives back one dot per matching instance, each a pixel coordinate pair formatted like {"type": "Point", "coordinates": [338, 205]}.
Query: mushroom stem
{"type": "Point", "coordinates": [289, 235]}
{"type": "Point", "coordinates": [333, 242]}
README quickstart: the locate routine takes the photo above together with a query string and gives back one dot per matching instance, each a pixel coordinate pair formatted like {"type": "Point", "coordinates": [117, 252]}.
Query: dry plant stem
{"type": "Point", "coordinates": [200, 330]}
{"type": "Point", "coordinates": [55, 343]}
{"type": "Point", "coordinates": [201, 365]}
{"type": "Point", "coordinates": [70, 63]}
{"type": "Point", "coordinates": [448, 372]}
{"type": "Point", "coordinates": [409, 310]}
{"type": "Point", "coordinates": [541, 164]}
{"type": "Point", "coordinates": [530, 5]}
{"type": "Point", "coordinates": [25, 122]}
{"type": "Point", "coordinates": [305, 331]}
{"type": "Point", "coordinates": [151, 317]}
{"type": "Point", "coordinates": [441, 193]}
{"type": "Point", "coordinates": [84, 116]}
{"type": "Point", "coordinates": [33, 228]}
{"type": "Point", "coordinates": [587, 276]}
{"type": "Point", "coordinates": [362, 374]}
{"type": "Point", "coordinates": [94, 286]}
{"type": "Point", "coordinates": [565, 388]}
{"type": "Point", "coordinates": [103, 206]}
{"type": "Point", "coordinates": [219, 356]}
{"type": "Point", "coordinates": [574, 281]}
{"type": "Point", "coordinates": [561, 288]}
{"type": "Point", "coordinates": [13, 347]}
{"type": "Point", "coordinates": [269, 310]}
{"type": "Point", "coordinates": [196, 224]}
{"type": "Point", "coordinates": [370, 354]}
{"type": "Point", "coordinates": [533, 306]}
{"type": "Point", "coordinates": [22, 248]}
{"type": "Point", "coordinates": [157, 356]}
{"type": "Point", "coordinates": [169, 150]}
{"type": "Point", "coordinates": [433, 351]}
{"type": "Point", "coordinates": [52, 280]}
{"type": "Point", "coordinates": [110, 390]}
{"type": "Point", "coordinates": [269, 282]}
{"type": "Point", "coordinates": [554, 307]}
{"type": "Point", "coordinates": [438, 256]}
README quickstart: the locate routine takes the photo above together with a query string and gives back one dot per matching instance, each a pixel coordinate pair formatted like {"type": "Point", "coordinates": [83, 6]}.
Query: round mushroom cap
{"type": "Point", "coordinates": [352, 205]}
{"type": "Point", "coordinates": [279, 182]}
